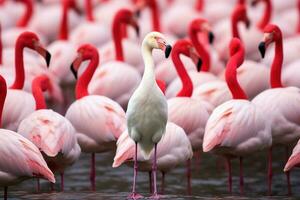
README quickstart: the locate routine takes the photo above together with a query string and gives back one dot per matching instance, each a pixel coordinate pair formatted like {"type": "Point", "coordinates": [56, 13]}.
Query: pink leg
{"type": "Point", "coordinates": [52, 187]}
{"type": "Point", "coordinates": [288, 179]}
{"type": "Point", "coordinates": [270, 173]}
{"type": "Point", "coordinates": [93, 172]}
{"type": "Point", "coordinates": [162, 183]}
{"type": "Point", "coordinates": [198, 160]}
{"type": "Point", "coordinates": [154, 169]}
{"type": "Point", "coordinates": [188, 177]}
{"type": "Point", "coordinates": [135, 195]}
{"type": "Point", "coordinates": [38, 187]}
{"type": "Point", "coordinates": [5, 193]}
{"type": "Point", "coordinates": [241, 177]}
{"type": "Point", "coordinates": [150, 182]}
{"type": "Point", "coordinates": [229, 175]}
{"type": "Point", "coordinates": [62, 182]}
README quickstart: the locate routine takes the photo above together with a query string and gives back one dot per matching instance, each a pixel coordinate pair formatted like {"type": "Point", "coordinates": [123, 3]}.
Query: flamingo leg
{"type": "Point", "coordinates": [150, 181]}
{"type": "Point", "coordinates": [135, 195]}
{"type": "Point", "coordinates": [229, 175]}
{"type": "Point", "coordinates": [52, 187]}
{"type": "Point", "coordinates": [38, 187]}
{"type": "Point", "coordinates": [154, 169]}
{"type": "Point", "coordinates": [288, 178]}
{"type": "Point", "coordinates": [270, 173]}
{"type": "Point", "coordinates": [241, 177]}
{"type": "Point", "coordinates": [162, 183]}
{"type": "Point", "coordinates": [5, 193]}
{"type": "Point", "coordinates": [188, 177]}
{"type": "Point", "coordinates": [198, 160]}
{"type": "Point", "coordinates": [62, 181]}
{"type": "Point", "coordinates": [93, 173]}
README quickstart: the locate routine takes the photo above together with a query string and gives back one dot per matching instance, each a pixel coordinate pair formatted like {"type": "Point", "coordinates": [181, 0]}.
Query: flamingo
{"type": "Point", "coordinates": [182, 109]}
{"type": "Point", "coordinates": [112, 72]}
{"type": "Point", "coordinates": [237, 127]}
{"type": "Point", "coordinates": [147, 114]}
{"type": "Point", "coordinates": [173, 149]}
{"type": "Point", "coordinates": [105, 117]}
{"type": "Point", "coordinates": [52, 133]}
{"type": "Point", "coordinates": [20, 158]}
{"type": "Point", "coordinates": [282, 101]}
{"type": "Point", "coordinates": [293, 160]}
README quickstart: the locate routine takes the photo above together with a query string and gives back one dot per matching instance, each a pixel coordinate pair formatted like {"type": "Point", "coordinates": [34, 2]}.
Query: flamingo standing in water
{"type": "Point", "coordinates": [20, 158]}
{"type": "Point", "coordinates": [147, 114]}
{"type": "Point", "coordinates": [237, 127]}
{"type": "Point", "coordinates": [283, 102]}
{"type": "Point", "coordinates": [105, 117]}
{"type": "Point", "coordinates": [53, 134]}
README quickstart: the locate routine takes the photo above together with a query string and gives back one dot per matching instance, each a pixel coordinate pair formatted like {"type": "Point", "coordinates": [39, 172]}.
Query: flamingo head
{"type": "Point", "coordinates": [240, 14]}
{"type": "Point", "coordinates": [202, 25]}
{"type": "Point", "coordinates": [84, 52]}
{"type": "Point", "coordinates": [156, 40]}
{"type": "Point", "coordinates": [31, 40]}
{"type": "Point", "coordinates": [186, 48]}
{"type": "Point", "coordinates": [126, 16]}
{"type": "Point", "coordinates": [272, 33]}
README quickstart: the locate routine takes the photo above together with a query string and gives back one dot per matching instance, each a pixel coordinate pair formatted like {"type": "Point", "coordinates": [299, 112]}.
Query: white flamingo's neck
{"type": "Point", "coordinates": [148, 75]}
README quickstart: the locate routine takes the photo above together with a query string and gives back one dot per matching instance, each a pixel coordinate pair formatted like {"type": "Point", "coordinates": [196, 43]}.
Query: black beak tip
{"type": "Point", "coordinates": [253, 3]}
{"type": "Point", "coordinates": [262, 49]}
{"type": "Point", "coordinates": [73, 71]}
{"type": "Point", "coordinates": [168, 51]}
{"type": "Point", "coordinates": [211, 37]}
{"type": "Point", "coordinates": [137, 30]}
{"type": "Point", "coordinates": [248, 24]}
{"type": "Point", "coordinates": [138, 13]}
{"type": "Point", "coordinates": [199, 65]}
{"type": "Point", "coordinates": [48, 58]}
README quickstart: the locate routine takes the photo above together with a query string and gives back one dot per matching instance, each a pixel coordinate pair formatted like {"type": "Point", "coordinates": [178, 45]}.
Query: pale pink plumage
{"type": "Point", "coordinates": [294, 159]}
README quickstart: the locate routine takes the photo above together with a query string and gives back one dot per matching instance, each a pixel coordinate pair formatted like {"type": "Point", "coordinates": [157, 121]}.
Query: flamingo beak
{"type": "Point", "coordinates": [248, 23]}
{"type": "Point", "coordinates": [262, 49]}
{"type": "Point", "coordinates": [211, 37]}
{"type": "Point", "coordinates": [75, 65]}
{"type": "Point", "coordinates": [43, 52]}
{"type": "Point", "coordinates": [199, 65]}
{"type": "Point", "coordinates": [168, 50]}
{"type": "Point", "coordinates": [268, 38]}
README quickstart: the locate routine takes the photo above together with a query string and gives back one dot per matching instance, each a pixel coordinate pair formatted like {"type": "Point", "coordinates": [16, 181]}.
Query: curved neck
{"type": "Point", "coordinates": [234, 26]}
{"type": "Point", "coordinates": [63, 30]}
{"type": "Point", "coordinates": [203, 53]}
{"type": "Point", "coordinates": [231, 76]}
{"type": "Point", "coordinates": [199, 5]}
{"type": "Point", "coordinates": [266, 16]}
{"type": "Point", "coordinates": [89, 10]}
{"type": "Point", "coordinates": [155, 16]}
{"type": "Point", "coordinates": [85, 78]}
{"type": "Point", "coordinates": [277, 65]}
{"type": "Point", "coordinates": [23, 21]}
{"type": "Point", "coordinates": [19, 67]}
{"type": "Point", "coordinates": [1, 46]}
{"type": "Point", "coordinates": [187, 85]}
{"type": "Point", "coordinates": [37, 91]}
{"type": "Point", "coordinates": [148, 75]}
{"type": "Point", "coordinates": [3, 92]}
{"type": "Point", "coordinates": [117, 29]}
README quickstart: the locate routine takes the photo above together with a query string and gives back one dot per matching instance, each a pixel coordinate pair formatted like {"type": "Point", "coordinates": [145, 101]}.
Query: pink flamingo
{"type": "Point", "coordinates": [106, 119]}
{"type": "Point", "coordinates": [294, 159]}
{"type": "Point", "coordinates": [237, 127]}
{"type": "Point", "coordinates": [198, 78]}
{"type": "Point", "coordinates": [20, 159]}
{"type": "Point", "coordinates": [173, 149]}
{"type": "Point", "coordinates": [283, 102]}
{"type": "Point", "coordinates": [112, 72]}
{"type": "Point", "coordinates": [52, 133]}
{"type": "Point", "coordinates": [182, 109]}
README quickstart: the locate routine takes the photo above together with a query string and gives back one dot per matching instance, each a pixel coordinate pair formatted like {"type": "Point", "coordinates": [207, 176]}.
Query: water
{"type": "Point", "coordinates": [209, 182]}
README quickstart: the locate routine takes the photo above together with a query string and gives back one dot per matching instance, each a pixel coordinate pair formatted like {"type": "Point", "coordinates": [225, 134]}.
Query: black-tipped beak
{"type": "Point", "coordinates": [168, 50]}
{"type": "Point", "coordinates": [211, 37]}
{"type": "Point", "coordinates": [262, 49]}
{"type": "Point", "coordinates": [73, 71]}
{"type": "Point", "coordinates": [199, 65]}
{"type": "Point", "coordinates": [48, 58]}
{"type": "Point", "coordinates": [248, 24]}
{"type": "Point", "coordinates": [137, 13]}
{"type": "Point", "coordinates": [137, 31]}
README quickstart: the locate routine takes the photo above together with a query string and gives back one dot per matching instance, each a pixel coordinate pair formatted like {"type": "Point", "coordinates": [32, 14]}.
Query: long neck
{"type": "Point", "coordinates": [199, 5]}
{"type": "Point", "coordinates": [117, 36]}
{"type": "Point", "coordinates": [231, 76]}
{"type": "Point", "coordinates": [89, 10]}
{"type": "Point", "coordinates": [37, 92]}
{"type": "Point", "coordinates": [19, 67]}
{"type": "Point", "coordinates": [149, 64]}
{"type": "Point", "coordinates": [234, 27]}
{"type": "Point", "coordinates": [203, 53]}
{"type": "Point", "coordinates": [27, 15]}
{"type": "Point", "coordinates": [187, 85]}
{"type": "Point", "coordinates": [63, 30]}
{"type": "Point", "coordinates": [155, 16]}
{"type": "Point", "coordinates": [3, 92]}
{"type": "Point", "coordinates": [1, 46]}
{"type": "Point", "coordinates": [277, 65]}
{"type": "Point", "coordinates": [85, 78]}
{"type": "Point", "coordinates": [266, 17]}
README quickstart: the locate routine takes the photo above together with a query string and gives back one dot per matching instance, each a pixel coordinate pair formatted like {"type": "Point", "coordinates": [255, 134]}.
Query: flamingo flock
{"type": "Point", "coordinates": [229, 89]}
